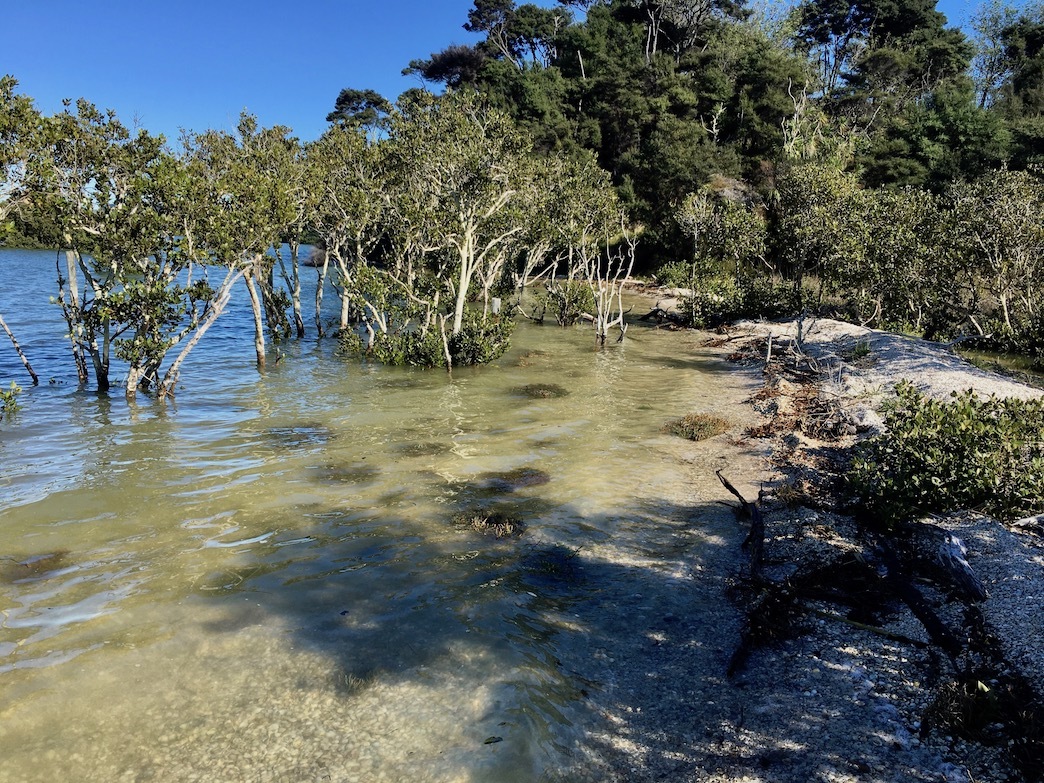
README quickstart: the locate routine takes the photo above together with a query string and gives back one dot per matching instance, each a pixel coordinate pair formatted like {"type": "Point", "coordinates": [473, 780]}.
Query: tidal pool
{"type": "Point", "coordinates": [266, 580]}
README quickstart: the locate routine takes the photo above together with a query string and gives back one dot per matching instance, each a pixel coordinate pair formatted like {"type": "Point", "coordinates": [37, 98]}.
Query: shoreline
{"type": "Point", "coordinates": [834, 695]}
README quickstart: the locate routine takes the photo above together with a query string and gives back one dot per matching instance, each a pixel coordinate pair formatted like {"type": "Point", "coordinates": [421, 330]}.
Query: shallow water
{"type": "Point", "coordinates": [1025, 369]}
{"type": "Point", "coordinates": [266, 581]}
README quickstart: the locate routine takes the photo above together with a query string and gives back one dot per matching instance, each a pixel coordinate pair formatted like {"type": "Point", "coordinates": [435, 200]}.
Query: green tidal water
{"type": "Point", "coordinates": [265, 580]}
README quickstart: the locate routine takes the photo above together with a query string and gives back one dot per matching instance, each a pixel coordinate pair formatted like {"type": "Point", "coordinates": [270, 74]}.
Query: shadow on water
{"type": "Point", "coordinates": [512, 634]}
{"type": "Point", "coordinates": [448, 654]}
{"type": "Point", "coordinates": [571, 662]}
{"type": "Point", "coordinates": [359, 637]}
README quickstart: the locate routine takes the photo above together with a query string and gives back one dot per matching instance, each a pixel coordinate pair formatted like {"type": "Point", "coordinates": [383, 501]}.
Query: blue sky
{"type": "Point", "coordinates": [196, 64]}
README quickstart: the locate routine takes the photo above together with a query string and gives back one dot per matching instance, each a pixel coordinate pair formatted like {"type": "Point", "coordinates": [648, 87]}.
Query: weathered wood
{"type": "Point", "coordinates": [754, 543]}
{"type": "Point", "coordinates": [895, 637]}
{"type": "Point", "coordinates": [755, 540]}
{"type": "Point", "coordinates": [901, 585]}
{"type": "Point", "coordinates": [21, 354]}
{"type": "Point", "coordinates": [255, 307]}
{"type": "Point", "coordinates": [661, 316]}
{"type": "Point", "coordinates": [1034, 524]}
{"type": "Point", "coordinates": [941, 553]}
{"type": "Point", "coordinates": [951, 555]}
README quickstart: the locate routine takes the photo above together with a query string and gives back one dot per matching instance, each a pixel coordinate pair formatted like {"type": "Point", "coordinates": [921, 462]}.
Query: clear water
{"type": "Point", "coordinates": [266, 581]}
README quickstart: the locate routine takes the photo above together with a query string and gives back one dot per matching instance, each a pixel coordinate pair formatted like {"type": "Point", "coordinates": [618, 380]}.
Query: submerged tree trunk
{"type": "Point", "coordinates": [292, 280]}
{"type": "Point", "coordinates": [346, 300]}
{"type": "Point", "coordinates": [18, 349]}
{"type": "Point", "coordinates": [467, 269]}
{"type": "Point", "coordinates": [273, 303]}
{"type": "Point", "coordinates": [134, 376]}
{"type": "Point", "coordinates": [170, 378]}
{"type": "Point", "coordinates": [100, 357]}
{"type": "Point", "coordinates": [87, 334]}
{"type": "Point", "coordinates": [71, 310]}
{"type": "Point", "coordinates": [346, 279]}
{"type": "Point", "coordinates": [320, 284]}
{"type": "Point", "coordinates": [462, 297]}
{"type": "Point", "coordinates": [607, 287]}
{"type": "Point", "coordinates": [295, 288]}
{"type": "Point", "coordinates": [259, 326]}
{"type": "Point", "coordinates": [141, 376]}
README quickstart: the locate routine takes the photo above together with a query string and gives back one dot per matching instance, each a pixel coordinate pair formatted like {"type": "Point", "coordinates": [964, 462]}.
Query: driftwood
{"type": "Point", "coordinates": [659, 315]}
{"type": "Point", "coordinates": [1034, 524]}
{"type": "Point", "coordinates": [768, 596]}
{"type": "Point", "coordinates": [950, 554]}
{"type": "Point", "coordinates": [895, 637]}
{"type": "Point", "coordinates": [943, 555]}
{"type": "Point", "coordinates": [755, 540]}
{"type": "Point", "coordinates": [21, 354]}
{"type": "Point", "coordinates": [901, 585]}
{"type": "Point", "coordinates": [769, 602]}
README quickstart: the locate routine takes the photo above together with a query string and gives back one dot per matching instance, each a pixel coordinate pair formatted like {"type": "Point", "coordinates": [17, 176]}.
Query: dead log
{"type": "Point", "coordinates": [21, 354]}
{"type": "Point", "coordinates": [754, 543]}
{"type": "Point", "coordinates": [895, 637]}
{"type": "Point", "coordinates": [657, 313]}
{"type": "Point", "coordinates": [951, 556]}
{"type": "Point", "coordinates": [661, 316]}
{"type": "Point", "coordinates": [901, 585]}
{"type": "Point", "coordinates": [771, 601]}
{"type": "Point", "coordinates": [943, 555]}
{"type": "Point", "coordinates": [1034, 524]}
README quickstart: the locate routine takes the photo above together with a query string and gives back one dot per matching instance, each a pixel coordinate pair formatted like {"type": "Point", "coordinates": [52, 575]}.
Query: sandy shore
{"type": "Point", "coordinates": [830, 699]}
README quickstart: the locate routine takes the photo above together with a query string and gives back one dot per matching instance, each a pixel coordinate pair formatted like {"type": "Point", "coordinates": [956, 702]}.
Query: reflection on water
{"type": "Point", "coordinates": [270, 580]}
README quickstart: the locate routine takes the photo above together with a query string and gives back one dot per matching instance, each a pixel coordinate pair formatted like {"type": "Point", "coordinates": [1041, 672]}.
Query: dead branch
{"type": "Point", "coordinates": [21, 354]}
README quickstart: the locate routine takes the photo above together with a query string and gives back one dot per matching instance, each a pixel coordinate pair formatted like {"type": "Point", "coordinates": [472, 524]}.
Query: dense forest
{"type": "Point", "coordinates": [869, 146]}
{"type": "Point", "coordinates": [862, 158]}
{"type": "Point", "coordinates": [670, 95]}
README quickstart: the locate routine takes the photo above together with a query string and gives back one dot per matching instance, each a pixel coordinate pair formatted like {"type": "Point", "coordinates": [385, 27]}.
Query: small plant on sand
{"type": "Point", "coordinates": [858, 352]}
{"type": "Point", "coordinates": [698, 426]}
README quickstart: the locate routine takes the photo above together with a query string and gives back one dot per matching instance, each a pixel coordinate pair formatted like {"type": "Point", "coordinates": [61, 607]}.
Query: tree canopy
{"type": "Point", "coordinates": [670, 93]}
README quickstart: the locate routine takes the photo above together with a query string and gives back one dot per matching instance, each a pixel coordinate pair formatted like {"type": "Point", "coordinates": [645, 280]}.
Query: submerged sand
{"type": "Point", "coordinates": [830, 701]}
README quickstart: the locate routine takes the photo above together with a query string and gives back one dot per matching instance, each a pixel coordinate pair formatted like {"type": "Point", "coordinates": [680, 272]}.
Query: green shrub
{"type": "Point", "coordinates": [481, 341]}
{"type": "Point", "coordinates": [717, 301]}
{"type": "Point", "coordinates": [676, 274]}
{"type": "Point", "coordinates": [1024, 336]}
{"type": "Point", "coordinates": [722, 299]}
{"type": "Point", "coordinates": [418, 349]}
{"type": "Point", "coordinates": [9, 400]}
{"type": "Point", "coordinates": [765, 297]}
{"type": "Point", "coordinates": [941, 456]}
{"type": "Point", "coordinates": [567, 300]}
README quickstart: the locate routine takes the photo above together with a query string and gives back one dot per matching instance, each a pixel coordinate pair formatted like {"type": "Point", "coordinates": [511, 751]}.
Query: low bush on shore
{"type": "Point", "coordinates": [939, 456]}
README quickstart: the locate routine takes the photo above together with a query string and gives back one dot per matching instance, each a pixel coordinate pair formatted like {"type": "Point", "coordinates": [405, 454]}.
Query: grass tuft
{"type": "Point", "coordinates": [698, 426]}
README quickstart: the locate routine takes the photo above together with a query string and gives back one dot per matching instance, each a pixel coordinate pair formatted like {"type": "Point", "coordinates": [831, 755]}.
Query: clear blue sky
{"type": "Point", "coordinates": [196, 64]}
